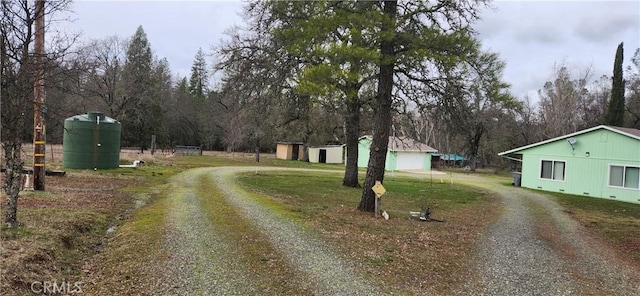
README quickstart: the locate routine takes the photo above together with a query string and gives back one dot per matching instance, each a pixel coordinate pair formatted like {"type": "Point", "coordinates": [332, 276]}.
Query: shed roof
{"type": "Point", "coordinates": [329, 146]}
{"type": "Point", "coordinates": [629, 132]}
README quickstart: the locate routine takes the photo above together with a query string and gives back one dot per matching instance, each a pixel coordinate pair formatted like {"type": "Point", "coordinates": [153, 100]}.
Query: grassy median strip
{"type": "Point", "coordinates": [406, 255]}
{"type": "Point", "coordinates": [266, 265]}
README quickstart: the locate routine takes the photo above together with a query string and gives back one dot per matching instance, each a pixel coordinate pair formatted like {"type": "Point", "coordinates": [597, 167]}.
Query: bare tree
{"type": "Point", "coordinates": [17, 19]}
{"type": "Point", "coordinates": [633, 91]}
{"type": "Point", "coordinates": [527, 123]}
{"type": "Point", "coordinates": [107, 57]}
{"type": "Point", "coordinates": [561, 102]}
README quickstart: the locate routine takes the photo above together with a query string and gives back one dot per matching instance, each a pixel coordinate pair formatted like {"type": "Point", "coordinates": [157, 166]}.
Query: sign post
{"type": "Point", "coordinates": [379, 190]}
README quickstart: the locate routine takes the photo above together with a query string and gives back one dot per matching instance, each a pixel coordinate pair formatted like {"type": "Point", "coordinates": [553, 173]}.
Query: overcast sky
{"type": "Point", "coordinates": [531, 36]}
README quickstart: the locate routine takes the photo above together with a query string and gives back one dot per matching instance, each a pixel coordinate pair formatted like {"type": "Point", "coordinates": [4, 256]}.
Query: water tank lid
{"type": "Point", "coordinates": [92, 116]}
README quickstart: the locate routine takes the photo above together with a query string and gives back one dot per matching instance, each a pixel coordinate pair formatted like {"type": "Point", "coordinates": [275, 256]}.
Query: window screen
{"type": "Point", "coordinates": [558, 170]}
{"type": "Point", "coordinates": [551, 169]}
{"type": "Point", "coordinates": [632, 177]}
{"type": "Point", "coordinates": [615, 175]}
{"type": "Point", "coordinates": [547, 168]}
{"type": "Point", "coordinates": [621, 176]}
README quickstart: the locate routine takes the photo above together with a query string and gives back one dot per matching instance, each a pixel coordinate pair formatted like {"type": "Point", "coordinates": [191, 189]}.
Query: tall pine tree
{"type": "Point", "coordinates": [138, 84]}
{"type": "Point", "coordinates": [198, 82]}
{"type": "Point", "coordinates": [615, 111]}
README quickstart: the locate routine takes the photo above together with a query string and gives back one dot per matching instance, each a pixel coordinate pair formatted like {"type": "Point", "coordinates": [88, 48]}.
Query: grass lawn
{"type": "Point", "coordinates": [403, 253]}
{"type": "Point", "coordinates": [618, 222]}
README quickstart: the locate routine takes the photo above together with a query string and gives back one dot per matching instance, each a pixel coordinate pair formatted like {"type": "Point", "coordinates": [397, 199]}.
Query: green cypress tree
{"type": "Point", "coordinates": [615, 111]}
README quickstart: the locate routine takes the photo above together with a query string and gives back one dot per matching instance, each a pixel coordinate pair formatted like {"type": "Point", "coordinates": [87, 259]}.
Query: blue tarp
{"type": "Point", "coordinates": [448, 157]}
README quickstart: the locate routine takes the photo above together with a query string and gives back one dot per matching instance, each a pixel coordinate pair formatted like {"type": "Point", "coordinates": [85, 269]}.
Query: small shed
{"type": "Point", "coordinates": [402, 154]}
{"type": "Point", "coordinates": [326, 154]}
{"type": "Point", "coordinates": [603, 161]}
{"type": "Point", "coordinates": [290, 150]}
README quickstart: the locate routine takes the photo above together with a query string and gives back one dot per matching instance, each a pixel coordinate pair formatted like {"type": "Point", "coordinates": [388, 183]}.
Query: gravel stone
{"type": "Point", "coordinates": [202, 263]}
{"type": "Point", "coordinates": [512, 260]}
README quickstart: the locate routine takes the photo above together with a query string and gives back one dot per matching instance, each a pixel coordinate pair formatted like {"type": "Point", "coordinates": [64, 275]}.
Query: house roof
{"type": "Point", "coordinates": [404, 144]}
{"type": "Point", "coordinates": [290, 143]}
{"type": "Point", "coordinates": [629, 132]}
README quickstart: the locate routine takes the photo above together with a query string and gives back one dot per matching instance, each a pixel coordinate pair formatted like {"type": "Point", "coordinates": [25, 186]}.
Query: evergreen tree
{"type": "Point", "coordinates": [199, 80]}
{"type": "Point", "coordinates": [138, 89]}
{"type": "Point", "coordinates": [615, 111]}
{"type": "Point", "coordinates": [339, 59]}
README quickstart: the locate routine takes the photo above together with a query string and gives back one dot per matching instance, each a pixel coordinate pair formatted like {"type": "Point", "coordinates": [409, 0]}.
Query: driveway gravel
{"type": "Point", "coordinates": [200, 263]}
{"type": "Point", "coordinates": [513, 260]}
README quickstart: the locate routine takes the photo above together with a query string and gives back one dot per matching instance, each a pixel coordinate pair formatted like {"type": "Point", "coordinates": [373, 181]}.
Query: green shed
{"type": "Point", "coordinates": [91, 141]}
{"type": "Point", "coordinates": [402, 154]}
{"type": "Point", "coordinates": [603, 161]}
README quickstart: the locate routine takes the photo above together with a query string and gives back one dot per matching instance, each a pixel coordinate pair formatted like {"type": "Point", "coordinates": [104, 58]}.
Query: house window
{"type": "Point", "coordinates": [552, 170]}
{"type": "Point", "coordinates": [624, 176]}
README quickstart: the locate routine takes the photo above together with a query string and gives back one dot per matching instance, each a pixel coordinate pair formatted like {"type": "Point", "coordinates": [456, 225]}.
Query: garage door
{"type": "Point", "coordinates": [410, 161]}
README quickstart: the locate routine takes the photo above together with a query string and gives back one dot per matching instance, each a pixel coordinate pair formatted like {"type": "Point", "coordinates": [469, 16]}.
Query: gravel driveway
{"type": "Point", "coordinates": [200, 263]}
{"type": "Point", "coordinates": [514, 260]}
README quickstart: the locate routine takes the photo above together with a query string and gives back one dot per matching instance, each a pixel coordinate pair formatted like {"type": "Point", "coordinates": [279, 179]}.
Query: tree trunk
{"type": "Point", "coordinates": [13, 179]}
{"type": "Point", "coordinates": [305, 101]}
{"type": "Point", "coordinates": [305, 150]}
{"type": "Point", "coordinates": [352, 134]}
{"type": "Point", "coordinates": [474, 146]}
{"type": "Point", "coordinates": [257, 150]}
{"type": "Point", "coordinates": [378, 152]}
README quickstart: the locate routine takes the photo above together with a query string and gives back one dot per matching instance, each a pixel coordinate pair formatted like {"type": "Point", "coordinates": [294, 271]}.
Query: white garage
{"type": "Point", "coordinates": [410, 161]}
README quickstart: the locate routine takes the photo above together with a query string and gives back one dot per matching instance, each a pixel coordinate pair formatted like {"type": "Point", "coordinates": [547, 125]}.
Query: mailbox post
{"type": "Point", "coordinates": [379, 190]}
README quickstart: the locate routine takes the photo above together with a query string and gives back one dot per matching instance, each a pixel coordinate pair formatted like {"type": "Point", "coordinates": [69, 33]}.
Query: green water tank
{"type": "Point", "coordinates": [91, 141]}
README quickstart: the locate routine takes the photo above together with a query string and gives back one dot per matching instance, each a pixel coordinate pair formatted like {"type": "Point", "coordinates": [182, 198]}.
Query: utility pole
{"type": "Point", "coordinates": [39, 133]}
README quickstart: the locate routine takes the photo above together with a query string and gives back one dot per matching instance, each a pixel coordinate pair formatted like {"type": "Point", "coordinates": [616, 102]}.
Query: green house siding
{"type": "Point", "coordinates": [391, 163]}
{"type": "Point", "coordinates": [586, 164]}
{"type": "Point", "coordinates": [363, 152]}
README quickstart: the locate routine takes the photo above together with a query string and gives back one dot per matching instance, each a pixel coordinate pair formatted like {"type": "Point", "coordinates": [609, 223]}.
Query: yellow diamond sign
{"type": "Point", "coordinates": [378, 189]}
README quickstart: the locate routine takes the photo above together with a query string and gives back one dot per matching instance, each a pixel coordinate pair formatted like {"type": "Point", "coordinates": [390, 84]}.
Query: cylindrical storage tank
{"type": "Point", "coordinates": [91, 141]}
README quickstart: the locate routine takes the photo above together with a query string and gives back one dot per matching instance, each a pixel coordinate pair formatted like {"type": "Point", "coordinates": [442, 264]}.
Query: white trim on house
{"type": "Point", "coordinates": [624, 167]}
{"type": "Point", "coordinates": [609, 128]}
